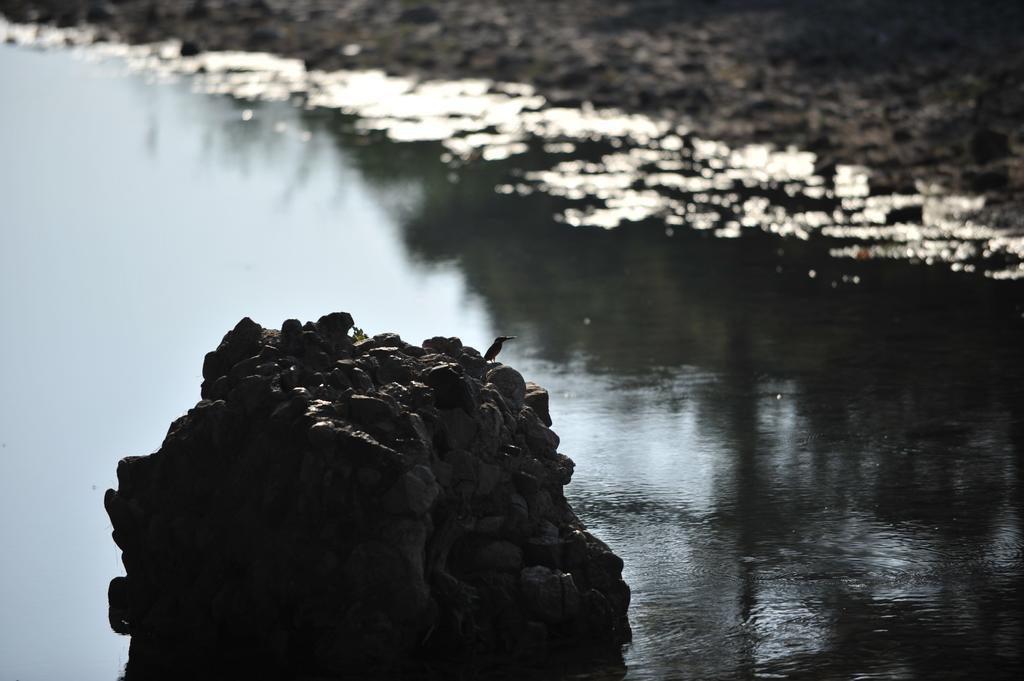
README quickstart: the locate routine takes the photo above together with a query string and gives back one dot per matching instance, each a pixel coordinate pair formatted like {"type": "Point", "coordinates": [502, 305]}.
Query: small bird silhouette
{"type": "Point", "coordinates": [495, 348]}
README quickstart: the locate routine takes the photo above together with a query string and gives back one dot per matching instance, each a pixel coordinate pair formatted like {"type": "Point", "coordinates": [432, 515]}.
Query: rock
{"type": "Point", "coordinates": [451, 390]}
{"type": "Point", "coordinates": [908, 215]}
{"type": "Point", "coordinates": [488, 477]}
{"type": "Point", "coordinates": [353, 374]}
{"type": "Point", "coordinates": [310, 515]}
{"type": "Point", "coordinates": [421, 14]}
{"type": "Point", "coordinates": [334, 328]}
{"type": "Point", "coordinates": [391, 367]}
{"type": "Point", "coordinates": [323, 435]}
{"type": "Point", "coordinates": [265, 35]}
{"type": "Point", "coordinates": [414, 492]}
{"type": "Point", "coordinates": [100, 12]}
{"type": "Point", "coordinates": [383, 340]}
{"type": "Point", "coordinates": [509, 383]}
{"type": "Point", "coordinates": [489, 525]}
{"type": "Point", "coordinates": [989, 145]}
{"type": "Point", "coordinates": [474, 364]}
{"type": "Point", "coordinates": [536, 398]}
{"type": "Point", "coordinates": [447, 346]}
{"type": "Point", "coordinates": [551, 595]}
{"type": "Point", "coordinates": [198, 10]}
{"type": "Point", "coordinates": [262, 6]}
{"type": "Point", "coordinates": [369, 410]}
{"type": "Point", "coordinates": [500, 556]}
{"type": "Point", "coordinates": [989, 180]}
{"type": "Point", "coordinates": [252, 393]}
{"type": "Point", "coordinates": [537, 436]}
{"type": "Point", "coordinates": [241, 342]}
{"type": "Point", "coordinates": [546, 551]}
{"type": "Point", "coordinates": [119, 600]}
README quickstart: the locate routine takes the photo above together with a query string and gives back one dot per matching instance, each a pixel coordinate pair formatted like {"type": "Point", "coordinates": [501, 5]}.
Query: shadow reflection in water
{"type": "Point", "coordinates": [144, 665]}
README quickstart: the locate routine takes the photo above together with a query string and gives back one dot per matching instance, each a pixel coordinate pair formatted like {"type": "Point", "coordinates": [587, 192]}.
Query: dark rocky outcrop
{"type": "Point", "coordinates": [332, 505]}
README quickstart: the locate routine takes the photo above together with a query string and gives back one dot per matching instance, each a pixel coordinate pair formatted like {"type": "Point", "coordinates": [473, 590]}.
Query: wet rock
{"type": "Point", "coordinates": [313, 517]}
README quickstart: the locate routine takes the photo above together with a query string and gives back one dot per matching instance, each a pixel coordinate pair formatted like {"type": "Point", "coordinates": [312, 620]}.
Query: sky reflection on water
{"type": "Point", "coordinates": [806, 476]}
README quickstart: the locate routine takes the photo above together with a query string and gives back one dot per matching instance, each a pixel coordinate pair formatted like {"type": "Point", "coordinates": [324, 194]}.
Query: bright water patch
{"type": "Point", "coordinates": [610, 167]}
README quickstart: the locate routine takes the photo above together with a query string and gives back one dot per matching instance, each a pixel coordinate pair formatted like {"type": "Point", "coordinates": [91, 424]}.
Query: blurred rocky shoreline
{"type": "Point", "coordinates": [918, 91]}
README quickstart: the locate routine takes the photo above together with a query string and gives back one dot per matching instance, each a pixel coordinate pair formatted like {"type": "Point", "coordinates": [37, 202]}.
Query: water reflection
{"type": "Point", "coordinates": [791, 465]}
{"type": "Point", "coordinates": [623, 168]}
{"type": "Point", "coordinates": [810, 476]}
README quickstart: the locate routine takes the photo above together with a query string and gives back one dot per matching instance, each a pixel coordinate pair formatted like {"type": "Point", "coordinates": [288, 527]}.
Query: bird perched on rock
{"type": "Point", "coordinates": [495, 348]}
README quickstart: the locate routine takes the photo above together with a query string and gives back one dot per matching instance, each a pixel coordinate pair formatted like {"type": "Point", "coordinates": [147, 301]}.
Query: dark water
{"type": "Point", "coordinates": [807, 476]}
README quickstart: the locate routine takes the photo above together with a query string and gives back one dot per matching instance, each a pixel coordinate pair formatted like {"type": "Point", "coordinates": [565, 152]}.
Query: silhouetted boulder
{"type": "Point", "coordinates": [330, 506]}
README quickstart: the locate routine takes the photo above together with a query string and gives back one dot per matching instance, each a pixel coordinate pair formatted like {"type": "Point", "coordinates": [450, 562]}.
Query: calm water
{"type": "Point", "coordinates": [807, 476]}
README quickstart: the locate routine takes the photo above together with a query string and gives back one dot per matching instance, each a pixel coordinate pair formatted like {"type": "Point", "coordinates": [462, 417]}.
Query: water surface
{"type": "Point", "coordinates": [811, 465]}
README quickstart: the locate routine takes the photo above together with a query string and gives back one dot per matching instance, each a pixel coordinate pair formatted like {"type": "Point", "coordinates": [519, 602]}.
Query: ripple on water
{"type": "Point", "coordinates": [714, 589]}
{"type": "Point", "coordinates": [654, 170]}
